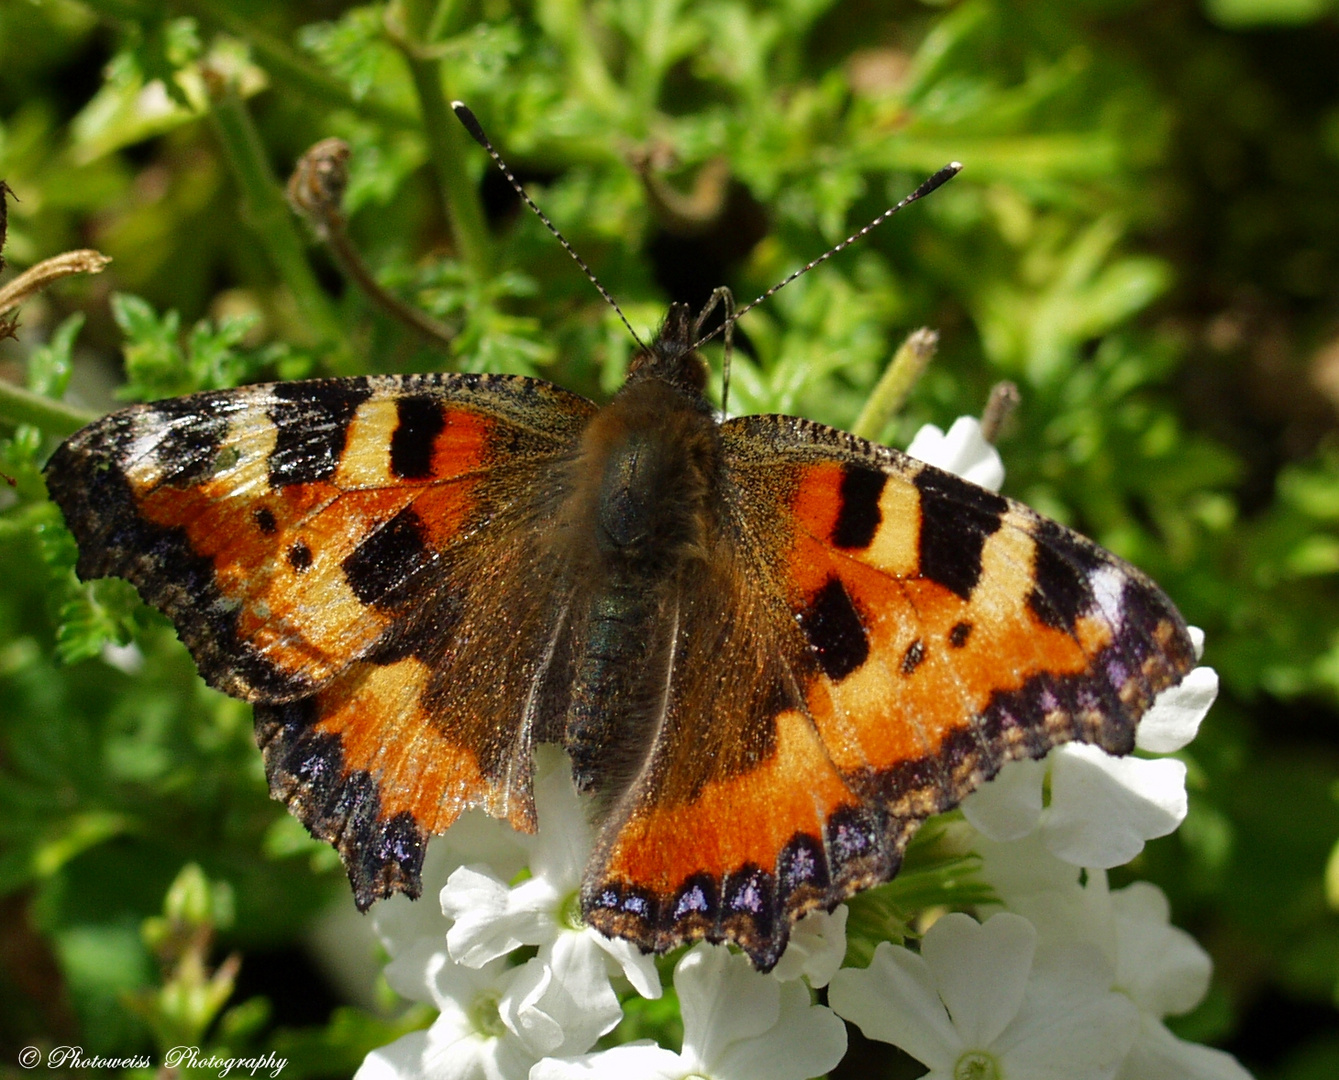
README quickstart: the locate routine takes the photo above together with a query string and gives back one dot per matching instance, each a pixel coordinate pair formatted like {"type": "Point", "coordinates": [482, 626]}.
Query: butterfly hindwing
{"type": "Point", "coordinates": [722, 834]}
{"type": "Point", "coordinates": [882, 637]}
{"type": "Point", "coordinates": [357, 557]}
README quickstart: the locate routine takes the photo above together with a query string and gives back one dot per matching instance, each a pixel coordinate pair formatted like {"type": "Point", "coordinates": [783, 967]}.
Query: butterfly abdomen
{"type": "Point", "coordinates": [612, 700]}
{"type": "Point", "coordinates": [640, 516]}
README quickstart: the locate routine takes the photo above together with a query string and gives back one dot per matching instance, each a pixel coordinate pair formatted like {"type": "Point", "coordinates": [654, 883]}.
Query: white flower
{"type": "Point", "coordinates": [1031, 881]}
{"type": "Point", "coordinates": [816, 949]}
{"type": "Point", "coordinates": [963, 451]}
{"type": "Point", "coordinates": [1159, 1055]}
{"type": "Point", "coordinates": [1165, 973]}
{"type": "Point", "coordinates": [563, 995]}
{"type": "Point", "coordinates": [984, 1001]}
{"type": "Point", "coordinates": [1103, 809]}
{"type": "Point", "coordinates": [1160, 968]}
{"type": "Point", "coordinates": [737, 1025]}
{"type": "Point", "coordinates": [468, 1041]}
{"type": "Point", "coordinates": [497, 1020]}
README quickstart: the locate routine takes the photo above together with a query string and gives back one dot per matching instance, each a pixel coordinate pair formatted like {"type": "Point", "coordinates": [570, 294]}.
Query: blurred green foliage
{"type": "Point", "coordinates": [1145, 239]}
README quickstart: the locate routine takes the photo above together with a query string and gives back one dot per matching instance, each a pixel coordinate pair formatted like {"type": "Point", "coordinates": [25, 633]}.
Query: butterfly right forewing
{"type": "Point", "coordinates": [364, 559]}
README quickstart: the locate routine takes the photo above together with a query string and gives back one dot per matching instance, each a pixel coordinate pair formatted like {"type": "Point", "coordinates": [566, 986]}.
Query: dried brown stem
{"type": "Point", "coordinates": [1004, 399]}
{"type": "Point", "coordinates": [316, 190]}
{"type": "Point", "coordinates": [5, 192]}
{"type": "Point", "coordinates": [36, 278]}
{"type": "Point", "coordinates": [685, 214]}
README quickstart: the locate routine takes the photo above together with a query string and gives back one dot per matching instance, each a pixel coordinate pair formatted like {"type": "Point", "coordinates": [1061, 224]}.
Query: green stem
{"type": "Point", "coordinates": [443, 19]}
{"type": "Point", "coordinates": [266, 210]}
{"type": "Point", "coordinates": [447, 142]}
{"type": "Point", "coordinates": [20, 406]}
{"type": "Point", "coordinates": [896, 383]}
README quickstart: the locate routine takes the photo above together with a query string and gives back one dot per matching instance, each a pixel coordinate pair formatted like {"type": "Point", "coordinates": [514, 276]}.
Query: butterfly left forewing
{"type": "Point", "coordinates": [275, 524]}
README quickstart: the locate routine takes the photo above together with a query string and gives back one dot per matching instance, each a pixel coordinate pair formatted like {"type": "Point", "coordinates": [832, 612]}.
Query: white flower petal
{"type": "Point", "coordinates": [1157, 1054]}
{"type": "Point", "coordinates": [1175, 717]}
{"type": "Point", "coordinates": [740, 1025]}
{"type": "Point", "coordinates": [477, 838]}
{"type": "Point", "coordinates": [638, 968]}
{"type": "Point", "coordinates": [538, 1030]}
{"type": "Point", "coordinates": [125, 658]}
{"type": "Point", "coordinates": [981, 970]}
{"type": "Point", "coordinates": [1071, 1026]}
{"type": "Point", "coordinates": [1161, 967]}
{"type": "Point", "coordinates": [561, 1002]}
{"type": "Point", "coordinates": [455, 988]}
{"type": "Point", "coordinates": [413, 973]}
{"type": "Point", "coordinates": [1082, 914]}
{"type": "Point", "coordinates": [400, 1060]}
{"type": "Point", "coordinates": [1104, 808]}
{"type": "Point", "coordinates": [817, 948]}
{"type": "Point", "coordinates": [492, 919]}
{"type": "Point", "coordinates": [631, 1061]}
{"type": "Point", "coordinates": [559, 850]}
{"type": "Point", "coordinates": [963, 452]}
{"type": "Point", "coordinates": [1196, 641]}
{"type": "Point", "coordinates": [895, 1000]}
{"type": "Point", "coordinates": [806, 1040]}
{"type": "Point", "coordinates": [474, 1057]}
{"type": "Point", "coordinates": [1020, 869]}
{"type": "Point", "coordinates": [454, 1048]}
{"type": "Point", "coordinates": [1009, 806]}
{"type": "Point", "coordinates": [722, 999]}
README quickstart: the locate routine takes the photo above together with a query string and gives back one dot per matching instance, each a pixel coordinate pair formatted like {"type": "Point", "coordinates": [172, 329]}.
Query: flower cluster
{"type": "Point", "coordinates": [1063, 978]}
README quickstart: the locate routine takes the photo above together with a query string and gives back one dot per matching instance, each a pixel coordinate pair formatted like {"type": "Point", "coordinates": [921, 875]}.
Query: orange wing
{"type": "Point", "coordinates": [362, 559]}
{"type": "Point", "coordinates": [873, 639]}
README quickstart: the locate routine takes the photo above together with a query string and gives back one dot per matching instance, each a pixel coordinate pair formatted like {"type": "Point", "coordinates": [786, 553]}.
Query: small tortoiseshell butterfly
{"type": "Point", "coordinates": [770, 648]}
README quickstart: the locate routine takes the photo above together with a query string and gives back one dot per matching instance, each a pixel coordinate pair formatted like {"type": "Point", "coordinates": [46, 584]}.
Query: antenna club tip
{"type": "Point", "coordinates": [471, 122]}
{"type": "Point", "coordinates": [956, 166]}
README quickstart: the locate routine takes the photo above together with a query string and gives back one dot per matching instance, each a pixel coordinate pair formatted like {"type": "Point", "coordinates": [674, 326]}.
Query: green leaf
{"type": "Point", "coordinates": [155, 364]}
{"type": "Point", "coordinates": [357, 50]}
{"type": "Point", "coordinates": [163, 48]}
{"type": "Point", "coordinates": [49, 364]}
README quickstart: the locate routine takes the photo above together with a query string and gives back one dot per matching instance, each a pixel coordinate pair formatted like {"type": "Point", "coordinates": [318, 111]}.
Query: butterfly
{"type": "Point", "coordinates": [770, 648]}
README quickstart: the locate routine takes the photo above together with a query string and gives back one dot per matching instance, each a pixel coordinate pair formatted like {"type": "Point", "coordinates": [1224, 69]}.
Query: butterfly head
{"type": "Point", "coordinates": [671, 357]}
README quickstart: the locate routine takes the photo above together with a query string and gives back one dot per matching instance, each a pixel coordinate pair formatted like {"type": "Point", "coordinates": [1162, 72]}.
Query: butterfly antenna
{"type": "Point", "coordinates": [720, 297]}
{"type": "Point", "coordinates": [938, 180]}
{"type": "Point", "coordinates": [472, 125]}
